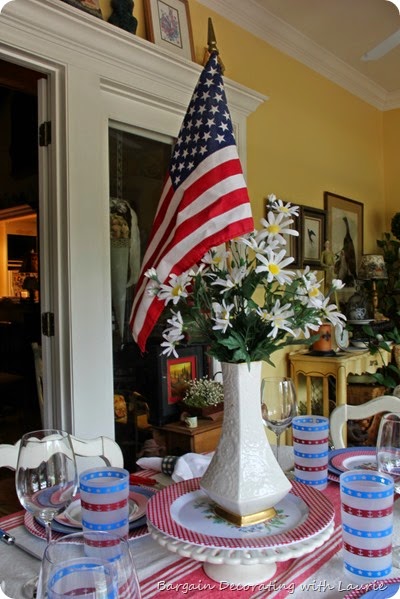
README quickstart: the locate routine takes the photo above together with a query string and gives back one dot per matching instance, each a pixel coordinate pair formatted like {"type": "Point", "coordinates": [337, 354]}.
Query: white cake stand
{"type": "Point", "coordinates": [180, 518]}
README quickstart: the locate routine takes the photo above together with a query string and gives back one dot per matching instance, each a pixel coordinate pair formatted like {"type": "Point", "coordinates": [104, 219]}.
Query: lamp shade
{"type": "Point", "coordinates": [372, 267]}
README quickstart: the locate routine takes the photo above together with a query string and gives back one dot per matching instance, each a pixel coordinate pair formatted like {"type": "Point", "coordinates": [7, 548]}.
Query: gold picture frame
{"type": "Point", "coordinates": [168, 25]}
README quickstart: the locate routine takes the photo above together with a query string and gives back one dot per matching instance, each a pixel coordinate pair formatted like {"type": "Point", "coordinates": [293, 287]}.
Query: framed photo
{"type": "Point", "coordinates": [168, 25]}
{"type": "Point", "coordinates": [170, 376]}
{"type": "Point", "coordinates": [292, 241]}
{"type": "Point", "coordinates": [312, 235]}
{"type": "Point", "coordinates": [345, 232]}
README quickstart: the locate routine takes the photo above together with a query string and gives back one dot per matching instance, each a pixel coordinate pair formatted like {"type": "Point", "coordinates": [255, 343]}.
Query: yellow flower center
{"type": "Point", "coordinates": [274, 269]}
{"type": "Point", "coordinates": [314, 291]}
{"type": "Point", "coordinates": [274, 229]}
{"type": "Point", "coordinates": [177, 290]}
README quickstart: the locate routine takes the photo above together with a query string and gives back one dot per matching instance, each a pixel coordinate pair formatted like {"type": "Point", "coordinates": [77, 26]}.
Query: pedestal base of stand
{"type": "Point", "coordinates": [240, 574]}
{"type": "Point", "coordinates": [244, 520]}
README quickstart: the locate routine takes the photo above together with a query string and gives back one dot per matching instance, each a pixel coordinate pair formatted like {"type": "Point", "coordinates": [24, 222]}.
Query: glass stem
{"type": "Point", "coordinates": [47, 528]}
{"type": "Point", "coordinates": [278, 445]}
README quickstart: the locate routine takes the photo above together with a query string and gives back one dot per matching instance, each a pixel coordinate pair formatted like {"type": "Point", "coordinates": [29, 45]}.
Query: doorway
{"type": "Point", "coordinates": [19, 251]}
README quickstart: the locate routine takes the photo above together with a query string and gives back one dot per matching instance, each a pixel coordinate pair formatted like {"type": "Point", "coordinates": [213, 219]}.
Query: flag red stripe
{"type": "Point", "coordinates": [165, 222]}
{"type": "Point", "coordinates": [204, 201]}
{"type": "Point", "coordinates": [170, 204]}
{"type": "Point", "coordinates": [152, 307]}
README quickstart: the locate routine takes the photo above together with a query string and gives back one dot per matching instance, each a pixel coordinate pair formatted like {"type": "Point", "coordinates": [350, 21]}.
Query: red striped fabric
{"type": "Point", "coordinates": [204, 202]}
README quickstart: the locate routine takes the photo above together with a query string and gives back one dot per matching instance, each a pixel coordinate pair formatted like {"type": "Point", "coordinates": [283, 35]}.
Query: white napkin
{"type": "Point", "coordinates": [150, 463]}
{"type": "Point", "coordinates": [190, 465]}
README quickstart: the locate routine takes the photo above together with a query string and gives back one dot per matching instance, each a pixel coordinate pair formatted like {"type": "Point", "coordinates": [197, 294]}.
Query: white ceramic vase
{"type": "Point", "coordinates": [244, 477]}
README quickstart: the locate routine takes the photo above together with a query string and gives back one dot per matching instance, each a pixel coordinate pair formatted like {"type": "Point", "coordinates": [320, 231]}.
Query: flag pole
{"type": "Point", "coordinates": [212, 46]}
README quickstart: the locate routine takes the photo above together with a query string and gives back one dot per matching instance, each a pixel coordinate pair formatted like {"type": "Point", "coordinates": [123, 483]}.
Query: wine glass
{"type": "Point", "coordinates": [388, 458]}
{"type": "Point", "coordinates": [278, 405]}
{"type": "Point", "coordinates": [46, 479]}
{"type": "Point", "coordinates": [98, 563]}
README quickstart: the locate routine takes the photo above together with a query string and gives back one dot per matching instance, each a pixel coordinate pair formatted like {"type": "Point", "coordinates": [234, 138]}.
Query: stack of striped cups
{"type": "Point", "coordinates": [367, 523]}
{"type": "Point", "coordinates": [310, 446]}
{"type": "Point", "coordinates": [105, 500]}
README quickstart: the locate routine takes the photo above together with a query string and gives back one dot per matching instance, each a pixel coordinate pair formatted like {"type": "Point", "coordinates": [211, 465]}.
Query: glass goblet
{"type": "Point", "coordinates": [278, 405]}
{"type": "Point", "coordinates": [45, 478]}
{"type": "Point", "coordinates": [90, 562]}
{"type": "Point", "coordinates": [388, 458]}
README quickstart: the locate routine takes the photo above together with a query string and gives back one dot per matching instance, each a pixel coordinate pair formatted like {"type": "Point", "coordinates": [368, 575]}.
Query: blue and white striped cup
{"type": "Point", "coordinates": [367, 523]}
{"type": "Point", "coordinates": [310, 447]}
{"type": "Point", "coordinates": [83, 578]}
{"type": "Point", "coordinates": [104, 496]}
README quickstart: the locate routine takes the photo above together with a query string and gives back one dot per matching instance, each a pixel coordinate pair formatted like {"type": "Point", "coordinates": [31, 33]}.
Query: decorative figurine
{"type": "Point", "coordinates": [328, 263]}
{"type": "Point", "coordinates": [122, 15]}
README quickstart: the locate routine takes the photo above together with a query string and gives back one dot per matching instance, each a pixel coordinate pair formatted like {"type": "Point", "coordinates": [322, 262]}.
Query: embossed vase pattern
{"type": "Point", "coordinates": [244, 476]}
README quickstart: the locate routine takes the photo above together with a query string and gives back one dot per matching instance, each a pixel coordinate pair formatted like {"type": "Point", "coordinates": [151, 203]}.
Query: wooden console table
{"type": "Point", "coordinates": [180, 439]}
{"type": "Point", "coordinates": [302, 363]}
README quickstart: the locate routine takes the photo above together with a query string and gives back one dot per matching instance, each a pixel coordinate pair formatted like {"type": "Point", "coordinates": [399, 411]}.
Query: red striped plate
{"type": "Point", "coordinates": [184, 512]}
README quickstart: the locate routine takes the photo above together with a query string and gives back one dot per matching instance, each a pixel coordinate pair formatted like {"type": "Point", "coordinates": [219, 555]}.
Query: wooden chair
{"type": "Point", "coordinates": [100, 449]}
{"type": "Point", "coordinates": [89, 454]}
{"type": "Point", "coordinates": [341, 414]}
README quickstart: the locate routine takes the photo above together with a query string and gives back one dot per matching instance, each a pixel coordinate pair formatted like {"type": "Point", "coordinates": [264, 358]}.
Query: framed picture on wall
{"type": "Point", "coordinates": [345, 232]}
{"type": "Point", "coordinates": [312, 235]}
{"type": "Point", "coordinates": [168, 25]}
{"type": "Point", "coordinates": [171, 377]}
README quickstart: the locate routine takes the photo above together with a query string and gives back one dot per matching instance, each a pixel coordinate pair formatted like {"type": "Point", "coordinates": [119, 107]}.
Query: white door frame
{"type": "Point", "coordinates": [96, 73]}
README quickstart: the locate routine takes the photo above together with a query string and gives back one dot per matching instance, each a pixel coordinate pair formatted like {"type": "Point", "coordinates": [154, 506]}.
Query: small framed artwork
{"type": "Point", "coordinates": [180, 371]}
{"type": "Point", "coordinates": [312, 234]}
{"type": "Point", "coordinates": [90, 6]}
{"type": "Point", "coordinates": [172, 376]}
{"type": "Point", "coordinates": [345, 233]}
{"type": "Point", "coordinates": [292, 241]}
{"type": "Point", "coordinates": [168, 25]}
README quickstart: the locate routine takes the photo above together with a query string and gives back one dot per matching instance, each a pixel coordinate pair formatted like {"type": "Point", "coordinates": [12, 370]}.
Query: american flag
{"type": "Point", "coordinates": [204, 202]}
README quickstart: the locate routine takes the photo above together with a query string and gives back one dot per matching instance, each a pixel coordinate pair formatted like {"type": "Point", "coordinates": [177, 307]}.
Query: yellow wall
{"type": "Point", "coordinates": [311, 136]}
{"type": "Point", "coordinates": [391, 137]}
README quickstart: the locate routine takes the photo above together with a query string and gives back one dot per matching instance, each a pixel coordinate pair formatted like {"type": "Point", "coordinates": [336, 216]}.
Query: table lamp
{"type": "Point", "coordinates": [373, 268]}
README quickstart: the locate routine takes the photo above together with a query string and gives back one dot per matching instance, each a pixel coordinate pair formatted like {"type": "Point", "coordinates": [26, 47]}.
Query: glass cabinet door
{"type": "Point", "coordinates": [138, 164]}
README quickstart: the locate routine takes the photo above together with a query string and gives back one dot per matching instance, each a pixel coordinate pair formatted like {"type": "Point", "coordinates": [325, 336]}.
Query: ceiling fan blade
{"type": "Point", "coordinates": [383, 48]}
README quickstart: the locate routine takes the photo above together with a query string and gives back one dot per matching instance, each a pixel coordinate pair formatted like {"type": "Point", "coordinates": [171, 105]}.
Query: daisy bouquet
{"type": "Point", "coordinates": [243, 300]}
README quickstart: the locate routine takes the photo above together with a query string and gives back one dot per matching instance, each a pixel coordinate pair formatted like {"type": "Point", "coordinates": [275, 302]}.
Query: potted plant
{"type": "Point", "coordinates": [389, 289]}
{"type": "Point", "coordinates": [204, 397]}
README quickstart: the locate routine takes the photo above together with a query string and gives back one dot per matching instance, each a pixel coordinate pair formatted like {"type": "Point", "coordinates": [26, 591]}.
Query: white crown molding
{"type": "Point", "coordinates": [266, 26]}
{"type": "Point", "coordinates": [83, 36]}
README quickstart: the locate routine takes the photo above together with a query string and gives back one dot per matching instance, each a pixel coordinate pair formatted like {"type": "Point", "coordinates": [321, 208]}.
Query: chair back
{"type": "Point", "coordinates": [89, 453]}
{"type": "Point", "coordinates": [341, 414]}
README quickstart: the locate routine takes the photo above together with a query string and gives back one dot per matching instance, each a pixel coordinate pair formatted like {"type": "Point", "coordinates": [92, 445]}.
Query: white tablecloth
{"type": "Point", "coordinates": [160, 571]}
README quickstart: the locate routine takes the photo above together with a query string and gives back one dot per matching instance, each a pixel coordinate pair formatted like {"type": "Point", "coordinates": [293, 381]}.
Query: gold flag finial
{"type": "Point", "coordinates": [211, 41]}
{"type": "Point", "coordinates": [212, 46]}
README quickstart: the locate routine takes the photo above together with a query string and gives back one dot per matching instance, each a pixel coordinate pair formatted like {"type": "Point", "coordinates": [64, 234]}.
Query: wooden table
{"type": "Point", "coordinates": [180, 439]}
{"type": "Point", "coordinates": [303, 363]}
